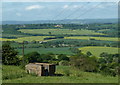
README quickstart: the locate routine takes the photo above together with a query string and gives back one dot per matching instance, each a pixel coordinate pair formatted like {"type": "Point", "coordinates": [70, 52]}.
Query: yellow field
{"type": "Point", "coordinates": [97, 50]}
{"type": "Point", "coordinates": [96, 38]}
{"type": "Point", "coordinates": [36, 38]}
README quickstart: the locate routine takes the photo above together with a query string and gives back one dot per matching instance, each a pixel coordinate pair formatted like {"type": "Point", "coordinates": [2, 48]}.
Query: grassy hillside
{"type": "Point", "coordinates": [76, 76]}
{"type": "Point", "coordinates": [97, 50]}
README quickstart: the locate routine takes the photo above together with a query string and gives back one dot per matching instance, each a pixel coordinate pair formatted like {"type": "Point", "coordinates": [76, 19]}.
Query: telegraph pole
{"type": "Point", "coordinates": [23, 51]}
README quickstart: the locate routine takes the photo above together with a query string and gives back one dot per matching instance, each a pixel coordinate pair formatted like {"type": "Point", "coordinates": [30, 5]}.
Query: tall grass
{"type": "Point", "coordinates": [12, 72]}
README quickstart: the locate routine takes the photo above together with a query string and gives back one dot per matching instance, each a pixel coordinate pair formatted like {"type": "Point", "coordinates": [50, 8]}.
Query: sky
{"type": "Point", "coordinates": [32, 11]}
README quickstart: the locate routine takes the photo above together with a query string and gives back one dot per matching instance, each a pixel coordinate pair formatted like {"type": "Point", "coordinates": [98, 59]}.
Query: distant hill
{"type": "Point", "coordinates": [67, 21]}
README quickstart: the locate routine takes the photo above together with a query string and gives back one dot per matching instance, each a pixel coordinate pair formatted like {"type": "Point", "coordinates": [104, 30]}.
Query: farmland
{"type": "Point", "coordinates": [30, 38]}
{"type": "Point", "coordinates": [41, 38]}
{"type": "Point", "coordinates": [96, 50]}
{"type": "Point", "coordinates": [96, 38]}
{"type": "Point", "coordinates": [60, 31]}
{"type": "Point", "coordinates": [13, 74]}
{"type": "Point", "coordinates": [65, 46]}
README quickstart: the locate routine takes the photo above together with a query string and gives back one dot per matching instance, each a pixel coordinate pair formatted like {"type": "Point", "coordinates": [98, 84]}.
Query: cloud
{"type": "Point", "coordinates": [33, 7]}
{"type": "Point", "coordinates": [65, 6]}
{"type": "Point", "coordinates": [18, 14]}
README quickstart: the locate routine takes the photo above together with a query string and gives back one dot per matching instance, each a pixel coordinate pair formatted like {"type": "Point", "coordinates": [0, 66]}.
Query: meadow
{"type": "Point", "coordinates": [97, 50]}
{"type": "Point", "coordinates": [14, 74]}
{"type": "Point", "coordinates": [60, 31]}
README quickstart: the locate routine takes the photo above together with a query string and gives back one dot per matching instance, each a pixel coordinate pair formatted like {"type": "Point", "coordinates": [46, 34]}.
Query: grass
{"type": "Point", "coordinates": [96, 38]}
{"type": "Point", "coordinates": [84, 77]}
{"type": "Point", "coordinates": [60, 31]}
{"type": "Point", "coordinates": [97, 50]}
{"type": "Point", "coordinates": [12, 72]}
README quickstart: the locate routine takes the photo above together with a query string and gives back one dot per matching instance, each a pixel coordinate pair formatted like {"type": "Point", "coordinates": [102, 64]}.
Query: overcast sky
{"type": "Point", "coordinates": [29, 11]}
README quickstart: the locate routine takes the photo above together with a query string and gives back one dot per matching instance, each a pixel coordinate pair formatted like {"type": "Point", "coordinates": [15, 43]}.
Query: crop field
{"type": "Point", "coordinates": [60, 31]}
{"type": "Point", "coordinates": [96, 38]}
{"type": "Point", "coordinates": [31, 38]}
{"type": "Point", "coordinates": [63, 50]}
{"type": "Point", "coordinates": [14, 74]}
{"type": "Point", "coordinates": [97, 50]}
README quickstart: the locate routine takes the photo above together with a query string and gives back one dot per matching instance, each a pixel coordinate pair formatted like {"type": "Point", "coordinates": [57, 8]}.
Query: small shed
{"type": "Point", "coordinates": [41, 69]}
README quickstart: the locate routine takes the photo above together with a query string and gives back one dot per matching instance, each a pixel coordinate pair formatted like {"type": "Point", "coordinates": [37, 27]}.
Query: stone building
{"type": "Point", "coordinates": [41, 69]}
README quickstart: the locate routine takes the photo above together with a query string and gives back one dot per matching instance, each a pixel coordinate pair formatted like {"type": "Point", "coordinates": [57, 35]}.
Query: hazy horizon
{"type": "Point", "coordinates": [36, 11]}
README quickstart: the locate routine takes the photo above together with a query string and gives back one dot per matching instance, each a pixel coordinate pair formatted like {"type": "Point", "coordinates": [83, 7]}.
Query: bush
{"type": "Point", "coordinates": [63, 57]}
{"type": "Point", "coordinates": [48, 57]}
{"type": "Point", "coordinates": [84, 63]}
{"type": "Point", "coordinates": [64, 63]}
{"type": "Point", "coordinates": [54, 62]}
{"type": "Point", "coordinates": [106, 70]}
{"type": "Point", "coordinates": [67, 72]}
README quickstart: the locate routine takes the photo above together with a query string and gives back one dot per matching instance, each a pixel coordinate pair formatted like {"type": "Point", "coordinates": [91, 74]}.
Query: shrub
{"type": "Point", "coordinates": [54, 62]}
{"type": "Point", "coordinates": [64, 63]}
{"type": "Point", "coordinates": [84, 63]}
{"type": "Point", "coordinates": [67, 72]}
{"type": "Point", "coordinates": [63, 57]}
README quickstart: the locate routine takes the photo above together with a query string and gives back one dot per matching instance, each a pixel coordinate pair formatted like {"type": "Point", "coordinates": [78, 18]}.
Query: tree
{"type": "Point", "coordinates": [9, 55]}
{"type": "Point", "coordinates": [89, 53]}
{"type": "Point", "coordinates": [84, 63]}
{"type": "Point", "coordinates": [62, 57]}
{"type": "Point", "coordinates": [48, 57]}
{"type": "Point", "coordinates": [32, 57]}
{"type": "Point", "coordinates": [49, 33]}
{"type": "Point", "coordinates": [104, 54]}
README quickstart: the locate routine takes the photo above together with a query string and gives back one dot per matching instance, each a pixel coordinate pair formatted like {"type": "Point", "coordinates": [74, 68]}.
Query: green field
{"type": "Point", "coordinates": [97, 50]}
{"type": "Point", "coordinates": [60, 31]}
{"type": "Point", "coordinates": [63, 50]}
{"type": "Point", "coordinates": [13, 74]}
{"type": "Point", "coordinates": [96, 38]}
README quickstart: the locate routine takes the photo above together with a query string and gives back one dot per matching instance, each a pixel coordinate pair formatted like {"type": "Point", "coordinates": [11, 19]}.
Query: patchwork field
{"type": "Point", "coordinates": [31, 38]}
{"type": "Point", "coordinates": [96, 38]}
{"type": "Point", "coordinates": [13, 74]}
{"type": "Point", "coordinates": [97, 50]}
{"type": "Point", "coordinates": [41, 38]}
{"type": "Point", "coordinates": [60, 31]}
